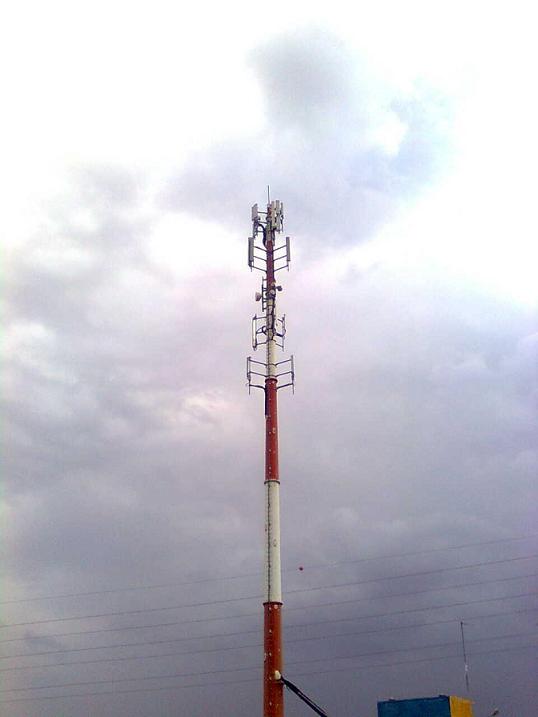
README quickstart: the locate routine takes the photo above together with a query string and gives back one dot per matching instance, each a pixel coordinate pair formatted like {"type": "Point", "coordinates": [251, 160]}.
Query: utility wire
{"type": "Point", "coordinates": [405, 649]}
{"type": "Point", "coordinates": [232, 634]}
{"type": "Point", "coordinates": [417, 609]}
{"type": "Point", "coordinates": [407, 575]}
{"type": "Point", "coordinates": [249, 667]}
{"type": "Point", "coordinates": [413, 553]}
{"type": "Point", "coordinates": [410, 662]}
{"type": "Point", "coordinates": [112, 693]}
{"type": "Point", "coordinates": [214, 649]}
{"type": "Point", "coordinates": [258, 595]}
{"type": "Point", "coordinates": [132, 588]}
{"type": "Point", "coordinates": [357, 617]}
{"type": "Point", "coordinates": [157, 642]}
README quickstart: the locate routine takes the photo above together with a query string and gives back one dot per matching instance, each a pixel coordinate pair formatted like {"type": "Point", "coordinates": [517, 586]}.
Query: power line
{"type": "Point", "coordinates": [417, 609]}
{"type": "Point", "coordinates": [238, 669]}
{"type": "Point", "coordinates": [408, 575]}
{"type": "Point", "coordinates": [135, 644]}
{"type": "Point", "coordinates": [231, 634]}
{"type": "Point", "coordinates": [411, 662]}
{"type": "Point", "coordinates": [156, 586]}
{"type": "Point", "coordinates": [113, 693]}
{"type": "Point", "coordinates": [131, 679]}
{"type": "Point", "coordinates": [353, 619]}
{"type": "Point", "coordinates": [216, 649]}
{"type": "Point", "coordinates": [257, 596]}
{"type": "Point", "coordinates": [416, 552]}
{"type": "Point", "coordinates": [390, 629]}
{"type": "Point", "coordinates": [408, 649]}
{"type": "Point", "coordinates": [241, 669]}
{"type": "Point", "coordinates": [125, 692]}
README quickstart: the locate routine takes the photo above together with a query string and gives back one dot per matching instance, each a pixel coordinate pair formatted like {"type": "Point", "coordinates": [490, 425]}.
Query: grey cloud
{"type": "Point", "coordinates": [321, 146]}
{"type": "Point", "coordinates": [308, 81]}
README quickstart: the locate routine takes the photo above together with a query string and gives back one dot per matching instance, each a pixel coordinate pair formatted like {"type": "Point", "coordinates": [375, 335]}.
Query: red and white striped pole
{"type": "Point", "coordinates": [269, 330]}
{"type": "Point", "coordinates": [273, 698]}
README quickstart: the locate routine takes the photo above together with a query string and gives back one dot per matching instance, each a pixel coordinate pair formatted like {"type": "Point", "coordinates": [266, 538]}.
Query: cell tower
{"type": "Point", "coordinates": [268, 330]}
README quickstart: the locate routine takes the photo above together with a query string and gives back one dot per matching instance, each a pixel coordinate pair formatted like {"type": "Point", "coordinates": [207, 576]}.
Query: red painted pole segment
{"type": "Point", "coordinates": [271, 419]}
{"type": "Point", "coordinates": [271, 430]}
{"type": "Point", "coordinates": [273, 692]}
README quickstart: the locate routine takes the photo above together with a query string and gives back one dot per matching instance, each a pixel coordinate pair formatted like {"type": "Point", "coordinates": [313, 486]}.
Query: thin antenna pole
{"type": "Point", "coordinates": [465, 664]}
{"type": "Point", "coordinates": [269, 330]}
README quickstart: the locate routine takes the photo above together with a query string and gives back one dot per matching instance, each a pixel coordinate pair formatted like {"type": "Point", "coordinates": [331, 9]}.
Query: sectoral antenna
{"type": "Point", "coordinates": [260, 323]}
{"type": "Point", "coordinates": [259, 331]}
{"type": "Point", "coordinates": [257, 255]}
{"type": "Point", "coordinates": [281, 368]}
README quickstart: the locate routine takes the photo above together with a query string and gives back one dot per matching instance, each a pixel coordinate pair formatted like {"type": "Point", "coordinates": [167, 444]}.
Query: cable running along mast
{"type": "Point", "coordinates": [268, 330]}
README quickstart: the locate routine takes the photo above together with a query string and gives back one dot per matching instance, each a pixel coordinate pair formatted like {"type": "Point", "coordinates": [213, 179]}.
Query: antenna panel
{"type": "Point", "coordinates": [251, 252]}
{"type": "Point", "coordinates": [254, 337]}
{"type": "Point", "coordinates": [288, 250]}
{"type": "Point", "coordinates": [255, 215]}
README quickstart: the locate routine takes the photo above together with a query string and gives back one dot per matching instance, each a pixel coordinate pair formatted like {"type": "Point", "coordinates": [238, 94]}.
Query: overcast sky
{"type": "Point", "coordinates": [402, 140]}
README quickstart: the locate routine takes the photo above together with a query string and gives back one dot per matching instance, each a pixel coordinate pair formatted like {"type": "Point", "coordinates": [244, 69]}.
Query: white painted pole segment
{"type": "Point", "coordinates": [273, 581]}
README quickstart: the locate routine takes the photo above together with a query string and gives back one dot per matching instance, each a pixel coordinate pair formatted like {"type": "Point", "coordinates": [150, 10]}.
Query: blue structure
{"type": "Point", "coordinates": [441, 706]}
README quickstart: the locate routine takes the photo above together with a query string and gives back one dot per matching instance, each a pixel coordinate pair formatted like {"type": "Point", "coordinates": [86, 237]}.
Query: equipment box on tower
{"type": "Point", "coordinates": [442, 706]}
